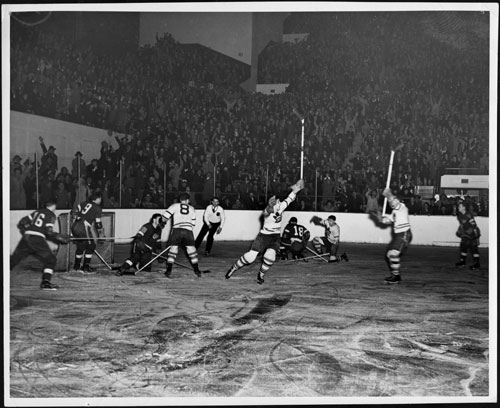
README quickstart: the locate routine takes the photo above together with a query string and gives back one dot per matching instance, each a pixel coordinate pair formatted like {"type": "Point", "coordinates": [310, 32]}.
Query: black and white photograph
{"type": "Point", "coordinates": [255, 203]}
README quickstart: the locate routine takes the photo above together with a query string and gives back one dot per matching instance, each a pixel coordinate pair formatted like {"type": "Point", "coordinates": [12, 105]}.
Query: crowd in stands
{"type": "Point", "coordinates": [363, 84]}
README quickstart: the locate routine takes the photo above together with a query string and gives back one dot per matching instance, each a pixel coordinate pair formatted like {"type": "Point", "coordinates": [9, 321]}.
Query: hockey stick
{"type": "Point", "coordinates": [388, 182]}
{"type": "Point", "coordinates": [99, 239]}
{"type": "Point", "coordinates": [301, 144]}
{"type": "Point", "coordinates": [154, 259]}
{"type": "Point", "coordinates": [178, 263]}
{"type": "Point", "coordinates": [307, 257]}
{"type": "Point", "coordinates": [315, 253]}
{"type": "Point", "coordinates": [111, 268]}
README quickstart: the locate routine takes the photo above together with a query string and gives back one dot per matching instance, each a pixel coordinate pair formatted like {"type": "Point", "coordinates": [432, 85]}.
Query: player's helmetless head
{"type": "Point", "coordinates": [462, 209]}
{"type": "Point", "coordinates": [332, 219]}
{"type": "Point", "coordinates": [51, 205]}
{"type": "Point", "coordinates": [215, 201]}
{"type": "Point", "coordinates": [395, 204]}
{"type": "Point", "coordinates": [184, 198]}
{"type": "Point", "coordinates": [155, 219]}
{"type": "Point", "coordinates": [293, 220]}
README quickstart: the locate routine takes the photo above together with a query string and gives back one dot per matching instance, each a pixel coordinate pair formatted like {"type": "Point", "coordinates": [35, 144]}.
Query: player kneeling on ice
{"type": "Point", "coordinates": [294, 240]}
{"type": "Point", "coordinates": [268, 239]}
{"type": "Point", "coordinates": [183, 218]}
{"type": "Point", "coordinates": [36, 229]}
{"type": "Point", "coordinates": [331, 240]}
{"type": "Point", "coordinates": [401, 236]}
{"type": "Point", "coordinates": [146, 241]}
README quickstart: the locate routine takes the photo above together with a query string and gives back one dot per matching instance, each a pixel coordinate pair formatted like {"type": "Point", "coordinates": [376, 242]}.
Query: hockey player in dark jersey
{"type": "Point", "coordinates": [294, 240]}
{"type": "Point", "coordinates": [37, 228]}
{"type": "Point", "coordinates": [147, 240]}
{"type": "Point", "coordinates": [469, 234]}
{"type": "Point", "coordinates": [86, 216]}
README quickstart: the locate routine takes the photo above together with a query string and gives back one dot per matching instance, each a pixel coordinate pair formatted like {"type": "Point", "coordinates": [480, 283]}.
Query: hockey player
{"type": "Point", "coordinates": [267, 241]}
{"type": "Point", "coordinates": [37, 228]}
{"type": "Point", "coordinates": [183, 218]}
{"type": "Point", "coordinates": [402, 235]}
{"type": "Point", "coordinates": [469, 234]}
{"type": "Point", "coordinates": [331, 240]}
{"type": "Point", "coordinates": [146, 241]}
{"type": "Point", "coordinates": [294, 240]}
{"type": "Point", "coordinates": [213, 221]}
{"type": "Point", "coordinates": [86, 215]}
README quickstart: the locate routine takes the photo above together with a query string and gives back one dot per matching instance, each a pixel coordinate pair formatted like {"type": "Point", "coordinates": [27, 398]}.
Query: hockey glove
{"type": "Point", "coordinates": [140, 245]}
{"type": "Point", "coordinates": [24, 224]}
{"type": "Point", "coordinates": [299, 185]}
{"type": "Point", "coordinates": [316, 220]}
{"type": "Point", "coordinates": [387, 192]}
{"type": "Point", "coordinates": [62, 238]}
{"type": "Point", "coordinates": [460, 232]}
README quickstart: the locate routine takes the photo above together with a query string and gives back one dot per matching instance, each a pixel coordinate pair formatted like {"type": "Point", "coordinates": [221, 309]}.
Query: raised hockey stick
{"type": "Point", "coordinates": [388, 182]}
{"type": "Point", "coordinates": [178, 263]}
{"type": "Point", "coordinates": [317, 255]}
{"type": "Point", "coordinates": [301, 144]}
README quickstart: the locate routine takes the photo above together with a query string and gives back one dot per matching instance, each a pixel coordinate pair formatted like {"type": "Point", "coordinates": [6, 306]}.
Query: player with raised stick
{"type": "Point", "coordinates": [469, 234]}
{"type": "Point", "coordinates": [267, 241]}
{"type": "Point", "coordinates": [146, 241]}
{"type": "Point", "coordinates": [294, 240]}
{"type": "Point", "coordinates": [183, 218]}
{"type": "Point", "coordinates": [36, 229]}
{"type": "Point", "coordinates": [86, 216]}
{"type": "Point", "coordinates": [401, 236]}
{"type": "Point", "coordinates": [331, 240]}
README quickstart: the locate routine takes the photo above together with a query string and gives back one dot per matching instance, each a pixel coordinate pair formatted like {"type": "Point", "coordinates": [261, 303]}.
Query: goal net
{"type": "Point", "coordinates": [66, 253]}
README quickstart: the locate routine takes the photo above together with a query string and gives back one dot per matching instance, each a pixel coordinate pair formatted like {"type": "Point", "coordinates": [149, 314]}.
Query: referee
{"type": "Point", "coordinates": [213, 221]}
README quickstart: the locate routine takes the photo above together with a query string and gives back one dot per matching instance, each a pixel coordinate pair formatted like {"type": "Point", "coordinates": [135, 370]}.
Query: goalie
{"type": "Point", "coordinates": [294, 240]}
{"type": "Point", "coordinates": [36, 229]}
{"type": "Point", "coordinates": [146, 241]}
{"type": "Point", "coordinates": [331, 240]}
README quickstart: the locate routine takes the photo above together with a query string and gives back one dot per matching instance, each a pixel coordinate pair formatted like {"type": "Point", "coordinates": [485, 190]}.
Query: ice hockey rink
{"type": "Point", "coordinates": [314, 331]}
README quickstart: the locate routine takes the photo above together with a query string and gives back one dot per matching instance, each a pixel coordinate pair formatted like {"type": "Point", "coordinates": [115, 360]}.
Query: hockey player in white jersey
{"type": "Point", "coordinates": [402, 235]}
{"type": "Point", "coordinates": [268, 239]}
{"type": "Point", "coordinates": [183, 218]}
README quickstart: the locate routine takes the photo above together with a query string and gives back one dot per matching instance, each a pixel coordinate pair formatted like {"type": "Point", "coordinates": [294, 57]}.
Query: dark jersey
{"type": "Point", "coordinates": [468, 226]}
{"type": "Point", "coordinates": [89, 212]}
{"type": "Point", "coordinates": [294, 233]}
{"type": "Point", "coordinates": [149, 234]}
{"type": "Point", "coordinates": [42, 223]}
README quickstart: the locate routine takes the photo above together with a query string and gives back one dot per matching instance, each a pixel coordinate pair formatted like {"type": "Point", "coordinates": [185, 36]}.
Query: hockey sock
{"type": "Point", "coordinates": [47, 275]}
{"type": "Point", "coordinates": [78, 261]}
{"type": "Point", "coordinates": [86, 260]}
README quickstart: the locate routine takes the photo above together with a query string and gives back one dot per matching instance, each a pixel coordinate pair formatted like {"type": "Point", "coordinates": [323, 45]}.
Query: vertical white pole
{"type": "Point", "coordinates": [316, 190]}
{"type": "Point", "coordinates": [302, 151]}
{"type": "Point", "coordinates": [215, 170]}
{"type": "Point", "coordinates": [164, 185]}
{"type": "Point", "coordinates": [37, 186]}
{"type": "Point", "coordinates": [267, 179]}
{"type": "Point", "coordinates": [388, 183]}
{"type": "Point", "coordinates": [120, 181]}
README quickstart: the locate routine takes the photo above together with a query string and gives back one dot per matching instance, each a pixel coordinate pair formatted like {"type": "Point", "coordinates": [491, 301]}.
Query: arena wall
{"type": "Point", "coordinates": [66, 137]}
{"type": "Point", "coordinates": [244, 226]}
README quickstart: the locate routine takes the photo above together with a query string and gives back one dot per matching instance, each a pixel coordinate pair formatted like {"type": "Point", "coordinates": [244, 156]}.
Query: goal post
{"type": "Point", "coordinates": [65, 254]}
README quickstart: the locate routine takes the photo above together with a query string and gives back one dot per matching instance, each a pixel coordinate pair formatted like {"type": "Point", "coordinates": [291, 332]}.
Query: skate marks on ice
{"type": "Point", "coordinates": [306, 332]}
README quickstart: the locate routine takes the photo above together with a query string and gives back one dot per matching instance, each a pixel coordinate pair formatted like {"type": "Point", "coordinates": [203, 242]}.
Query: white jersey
{"type": "Point", "coordinates": [332, 233]}
{"type": "Point", "coordinates": [183, 216]}
{"type": "Point", "coordinates": [272, 222]}
{"type": "Point", "coordinates": [214, 215]}
{"type": "Point", "coordinates": [400, 218]}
